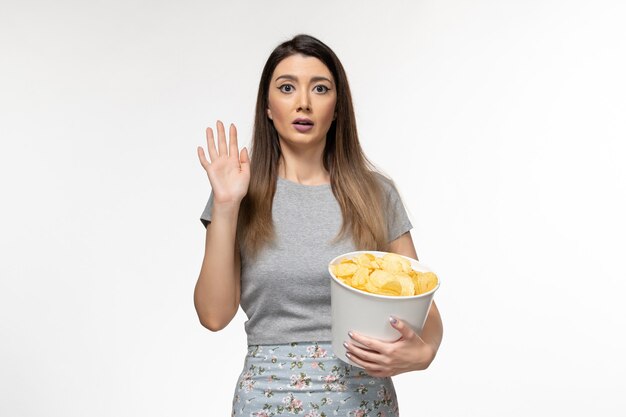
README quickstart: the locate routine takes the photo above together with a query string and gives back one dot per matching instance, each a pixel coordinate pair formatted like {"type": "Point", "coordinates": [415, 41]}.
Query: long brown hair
{"type": "Point", "coordinates": [352, 175]}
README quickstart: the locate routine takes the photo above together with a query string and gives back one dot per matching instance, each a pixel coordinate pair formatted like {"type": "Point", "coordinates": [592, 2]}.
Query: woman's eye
{"type": "Point", "coordinates": [286, 88]}
{"type": "Point", "coordinates": [321, 89]}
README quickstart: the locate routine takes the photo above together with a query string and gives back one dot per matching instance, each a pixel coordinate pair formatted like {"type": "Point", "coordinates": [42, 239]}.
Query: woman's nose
{"type": "Point", "coordinates": [304, 102]}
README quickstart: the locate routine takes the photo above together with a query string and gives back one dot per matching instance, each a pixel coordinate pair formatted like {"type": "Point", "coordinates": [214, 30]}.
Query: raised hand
{"type": "Point", "coordinates": [229, 169]}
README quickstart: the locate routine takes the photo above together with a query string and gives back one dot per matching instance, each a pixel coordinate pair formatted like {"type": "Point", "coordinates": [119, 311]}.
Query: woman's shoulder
{"type": "Point", "coordinates": [386, 183]}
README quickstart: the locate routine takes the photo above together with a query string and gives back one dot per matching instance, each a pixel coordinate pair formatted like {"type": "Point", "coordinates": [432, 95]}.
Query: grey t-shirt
{"type": "Point", "coordinates": [285, 290]}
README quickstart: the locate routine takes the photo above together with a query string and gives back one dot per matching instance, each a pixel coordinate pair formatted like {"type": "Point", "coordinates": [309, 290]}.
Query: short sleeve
{"type": "Point", "coordinates": [398, 222]}
{"type": "Point", "coordinates": [205, 218]}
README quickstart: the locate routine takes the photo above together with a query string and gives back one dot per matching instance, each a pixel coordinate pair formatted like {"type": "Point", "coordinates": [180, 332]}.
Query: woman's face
{"type": "Point", "coordinates": [301, 100]}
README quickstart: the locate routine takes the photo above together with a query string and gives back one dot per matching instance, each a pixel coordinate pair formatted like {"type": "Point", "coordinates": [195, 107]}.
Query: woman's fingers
{"type": "Point", "coordinates": [370, 363]}
{"type": "Point", "coordinates": [405, 330]}
{"type": "Point", "coordinates": [364, 354]}
{"type": "Point", "coordinates": [232, 138]}
{"type": "Point", "coordinates": [221, 140]}
{"type": "Point", "coordinates": [224, 148]}
{"type": "Point", "coordinates": [244, 158]}
{"type": "Point", "coordinates": [368, 366]}
{"type": "Point", "coordinates": [244, 162]}
{"type": "Point", "coordinates": [368, 342]}
{"type": "Point", "coordinates": [203, 161]}
{"type": "Point", "coordinates": [210, 142]}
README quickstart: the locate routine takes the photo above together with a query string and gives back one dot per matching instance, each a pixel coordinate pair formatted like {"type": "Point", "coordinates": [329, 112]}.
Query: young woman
{"type": "Point", "coordinates": [275, 218]}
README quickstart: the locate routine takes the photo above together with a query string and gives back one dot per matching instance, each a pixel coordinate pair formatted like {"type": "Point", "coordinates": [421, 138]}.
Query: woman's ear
{"type": "Point", "coordinates": [269, 114]}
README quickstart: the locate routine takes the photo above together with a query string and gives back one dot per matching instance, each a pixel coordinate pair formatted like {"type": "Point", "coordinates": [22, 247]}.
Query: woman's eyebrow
{"type": "Point", "coordinates": [294, 78]}
{"type": "Point", "coordinates": [320, 78]}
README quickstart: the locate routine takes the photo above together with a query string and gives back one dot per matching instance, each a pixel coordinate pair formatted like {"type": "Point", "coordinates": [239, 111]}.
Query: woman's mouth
{"type": "Point", "coordinates": [303, 125]}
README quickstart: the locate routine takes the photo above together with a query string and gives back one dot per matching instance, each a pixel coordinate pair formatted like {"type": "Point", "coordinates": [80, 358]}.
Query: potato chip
{"type": "Point", "coordinates": [391, 274]}
{"type": "Point", "coordinates": [380, 277]}
{"type": "Point", "coordinates": [395, 263]}
{"type": "Point", "coordinates": [345, 269]}
{"type": "Point", "coordinates": [392, 287]}
{"type": "Point", "coordinates": [426, 281]}
{"type": "Point", "coordinates": [366, 260]}
{"type": "Point", "coordinates": [408, 288]}
{"type": "Point", "coordinates": [360, 277]}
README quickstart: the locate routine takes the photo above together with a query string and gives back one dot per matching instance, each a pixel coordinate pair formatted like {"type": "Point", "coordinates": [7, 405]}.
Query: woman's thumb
{"type": "Point", "coordinates": [244, 159]}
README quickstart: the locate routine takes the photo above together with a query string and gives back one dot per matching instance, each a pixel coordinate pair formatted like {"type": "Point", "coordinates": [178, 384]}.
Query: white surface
{"type": "Point", "coordinates": [368, 314]}
{"type": "Point", "coordinates": [502, 123]}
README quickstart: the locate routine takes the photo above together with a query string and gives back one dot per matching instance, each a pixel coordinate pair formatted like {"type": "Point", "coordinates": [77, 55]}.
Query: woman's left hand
{"type": "Point", "coordinates": [382, 359]}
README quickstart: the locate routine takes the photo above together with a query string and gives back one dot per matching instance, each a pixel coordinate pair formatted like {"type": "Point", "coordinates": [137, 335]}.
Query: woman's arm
{"type": "Point", "coordinates": [217, 292]}
{"type": "Point", "coordinates": [432, 332]}
{"type": "Point", "coordinates": [411, 352]}
{"type": "Point", "coordinates": [218, 289]}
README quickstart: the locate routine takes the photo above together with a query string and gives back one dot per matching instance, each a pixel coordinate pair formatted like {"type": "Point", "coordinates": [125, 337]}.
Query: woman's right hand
{"type": "Point", "coordinates": [228, 170]}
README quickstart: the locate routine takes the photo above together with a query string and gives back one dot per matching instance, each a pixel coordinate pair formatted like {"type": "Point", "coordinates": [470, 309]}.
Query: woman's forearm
{"type": "Point", "coordinates": [217, 292]}
{"type": "Point", "coordinates": [432, 332]}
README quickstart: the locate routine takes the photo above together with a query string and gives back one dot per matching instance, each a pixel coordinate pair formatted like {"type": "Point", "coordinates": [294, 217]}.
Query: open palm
{"type": "Point", "coordinates": [228, 169]}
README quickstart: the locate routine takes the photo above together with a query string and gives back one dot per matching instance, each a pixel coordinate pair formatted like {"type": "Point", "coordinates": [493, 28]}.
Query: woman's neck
{"type": "Point", "coordinates": [303, 166]}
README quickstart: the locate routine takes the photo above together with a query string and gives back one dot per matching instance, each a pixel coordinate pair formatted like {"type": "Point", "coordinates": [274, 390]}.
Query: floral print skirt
{"type": "Point", "coordinates": [307, 379]}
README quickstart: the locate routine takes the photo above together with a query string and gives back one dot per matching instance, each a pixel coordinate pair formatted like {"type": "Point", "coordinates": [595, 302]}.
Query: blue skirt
{"type": "Point", "coordinates": [307, 379]}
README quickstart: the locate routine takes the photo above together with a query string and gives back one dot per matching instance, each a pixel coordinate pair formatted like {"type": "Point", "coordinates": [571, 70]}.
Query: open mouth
{"type": "Point", "coordinates": [303, 125]}
{"type": "Point", "coordinates": [303, 122]}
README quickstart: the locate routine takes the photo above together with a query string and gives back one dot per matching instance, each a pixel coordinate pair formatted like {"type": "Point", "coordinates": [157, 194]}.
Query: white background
{"type": "Point", "coordinates": [501, 122]}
